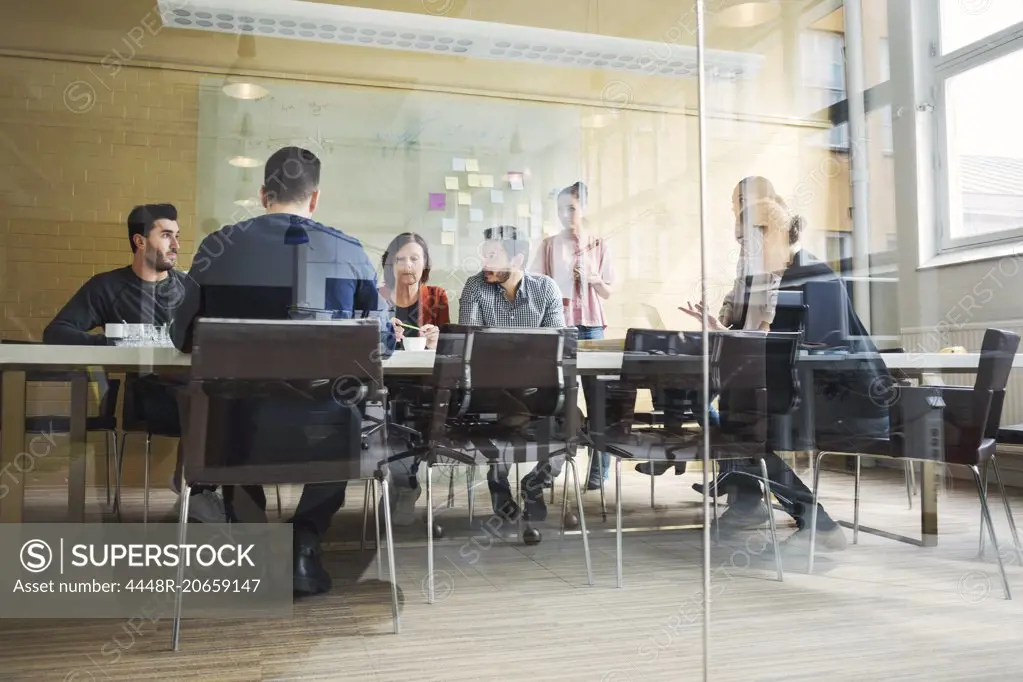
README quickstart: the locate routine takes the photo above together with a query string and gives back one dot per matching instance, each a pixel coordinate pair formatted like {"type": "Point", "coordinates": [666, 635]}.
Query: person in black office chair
{"type": "Point", "coordinates": [146, 292]}
{"type": "Point", "coordinates": [504, 294]}
{"type": "Point", "coordinates": [253, 270]}
{"type": "Point", "coordinates": [845, 405]}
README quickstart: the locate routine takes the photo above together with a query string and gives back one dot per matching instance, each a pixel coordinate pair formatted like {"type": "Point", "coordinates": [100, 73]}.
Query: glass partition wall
{"type": "Point", "coordinates": [880, 125]}
{"type": "Point", "coordinates": [576, 123]}
{"type": "Point", "coordinates": [838, 171]}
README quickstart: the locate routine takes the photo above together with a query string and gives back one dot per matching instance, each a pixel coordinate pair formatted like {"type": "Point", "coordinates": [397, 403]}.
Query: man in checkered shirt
{"type": "Point", "coordinates": [503, 294]}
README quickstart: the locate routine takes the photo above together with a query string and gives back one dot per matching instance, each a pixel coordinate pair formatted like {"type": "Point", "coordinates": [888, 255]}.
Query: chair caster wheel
{"type": "Point", "coordinates": [365, 445]}
{"type": "Point", "coordinates": [438, 531]}
{"type": "Point", "coordinates": [571, 521]}
{"type": "Point", "coordinates": [531, 536]}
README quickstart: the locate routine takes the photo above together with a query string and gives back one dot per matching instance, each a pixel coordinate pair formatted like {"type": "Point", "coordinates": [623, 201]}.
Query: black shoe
{"type": "Point", "coordinates": [309, 576]}
{"type": "Point", "coordinates": [503, 502]}
{"type": "Point", "coordinates": [532, 495]}
{"type": "Point", "coordinates": [698, 487]}
{"type": "Point", "coordinates": [659, 468]}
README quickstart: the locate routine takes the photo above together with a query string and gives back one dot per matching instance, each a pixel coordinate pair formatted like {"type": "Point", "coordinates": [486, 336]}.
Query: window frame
{"type": "Point", "coordinates": [812, 44]}
{"type": "Point", "coordinates": [942, 69]}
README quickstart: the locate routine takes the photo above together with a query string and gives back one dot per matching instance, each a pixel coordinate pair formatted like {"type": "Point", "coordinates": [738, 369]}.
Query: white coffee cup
{"type": "Point", "coordinates": [114, 332]}
{"type": "Point", "coordinates": [414, 342]}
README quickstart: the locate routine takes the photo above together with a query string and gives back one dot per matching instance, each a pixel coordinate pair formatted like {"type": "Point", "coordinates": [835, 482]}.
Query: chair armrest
{"type": "Point", "coordinates": [963, 417]}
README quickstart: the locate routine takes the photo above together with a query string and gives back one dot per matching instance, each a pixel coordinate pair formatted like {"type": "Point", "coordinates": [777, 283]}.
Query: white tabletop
{"type": "Point", "coordinates": [111, 357]}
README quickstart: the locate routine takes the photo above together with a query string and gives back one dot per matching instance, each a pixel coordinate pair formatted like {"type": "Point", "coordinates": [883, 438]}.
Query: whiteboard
{"type": "Point", "coordinates": [385, 151]}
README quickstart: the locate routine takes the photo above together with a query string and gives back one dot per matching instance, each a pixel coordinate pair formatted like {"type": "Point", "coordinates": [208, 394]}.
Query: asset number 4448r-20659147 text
{"type": "Point", "coordinates": [196, 585]}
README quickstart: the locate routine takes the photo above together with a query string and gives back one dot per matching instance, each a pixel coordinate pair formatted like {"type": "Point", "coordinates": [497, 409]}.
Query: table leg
{"type": "Point", "coordinates": [929, 505]}
{"type": "Point", "coordinates": [12, 472]}
{"type": "Point", "coordinates": [77, 460]}
{"type": "Point", "coordinates": [806, 428]}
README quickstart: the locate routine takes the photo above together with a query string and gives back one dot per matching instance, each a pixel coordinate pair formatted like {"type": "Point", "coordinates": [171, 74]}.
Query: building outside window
{"type": "Point", "coordinates": [823, 73]}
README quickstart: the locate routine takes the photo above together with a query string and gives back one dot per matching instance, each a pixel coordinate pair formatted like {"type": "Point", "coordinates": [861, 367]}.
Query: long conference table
{"type": "Point", "coordinates": [17, 359]}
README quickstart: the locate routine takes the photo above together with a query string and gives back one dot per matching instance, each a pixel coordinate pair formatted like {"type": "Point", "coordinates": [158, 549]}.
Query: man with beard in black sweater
{"type": "Point", "coordinates": [149, 291]}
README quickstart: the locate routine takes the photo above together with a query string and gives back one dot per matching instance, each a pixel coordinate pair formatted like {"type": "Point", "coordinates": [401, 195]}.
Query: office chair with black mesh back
{"type": "Point", "coordinates": [754, 373]}
{"type": "Point", "coordinates": [134, 419]}
{"type": "Point", "coordinates": [496, 390]}
{"type": "Point", "coordinates": [670, 405]}
{"type": "Point", "coordinates": [234, 360]}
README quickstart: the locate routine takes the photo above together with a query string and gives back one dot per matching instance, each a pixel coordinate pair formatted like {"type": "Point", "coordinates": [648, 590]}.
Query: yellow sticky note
{"type": "Point", "coordinates": [473, 180]}
{"type": "Point", "coordinates": [447, 238]}
{"type": "Point", "coordinates": [451, 182]}
{"type": "Point", "coordinates": [465, 199]}
{"type": "Point", "coordinates": [472, 165]}
{"type": "Point", "coordinates": [523, 210]}
{"type": "Point", "coordinates": [487, 180]}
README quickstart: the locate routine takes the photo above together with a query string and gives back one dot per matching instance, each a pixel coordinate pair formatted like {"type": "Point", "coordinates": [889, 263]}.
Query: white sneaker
{"type": "Point", "coordinates": [204, 507]}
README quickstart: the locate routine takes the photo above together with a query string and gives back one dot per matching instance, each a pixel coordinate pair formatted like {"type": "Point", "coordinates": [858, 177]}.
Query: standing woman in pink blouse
{"type": "Point", "coordinates": [580, 264]}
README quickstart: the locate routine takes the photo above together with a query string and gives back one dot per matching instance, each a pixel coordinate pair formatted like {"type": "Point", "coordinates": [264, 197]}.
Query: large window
{"type": "Point", "coordinates": [980, 150]}
{"type": "Point", "coordinates": [964, 22]}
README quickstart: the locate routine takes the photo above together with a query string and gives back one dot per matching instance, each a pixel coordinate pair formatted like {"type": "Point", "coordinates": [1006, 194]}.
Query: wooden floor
{"type": "Point", "coordinates": [878, 611]}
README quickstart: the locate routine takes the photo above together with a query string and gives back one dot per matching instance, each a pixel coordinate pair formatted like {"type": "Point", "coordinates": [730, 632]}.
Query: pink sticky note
{"type": "Point", "coordinates": [437, 201]}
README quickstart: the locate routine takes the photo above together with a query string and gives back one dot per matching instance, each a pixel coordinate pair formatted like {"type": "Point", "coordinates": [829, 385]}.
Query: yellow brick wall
{"type": "Point", "coordinates": [69, 175]}
{"type": "Point", "coordinates": [73, 177]}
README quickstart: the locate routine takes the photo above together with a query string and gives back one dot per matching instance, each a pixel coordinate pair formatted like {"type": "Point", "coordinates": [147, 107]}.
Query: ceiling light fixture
{"type": "Point", "coordinates": [423, 33]}
{"type": "Point", "coordinates": [244, 162]}
{"type": "Point", "coordinates": [246, 91]}
{"type": "Point", "coordinates": [241, 87]}
{"type": "Point", "coordinates": [600, 119]}
{"type": "Point", "coordinates": [747, 13]}
{"type": "Point", "coordinates": [246, 202]}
